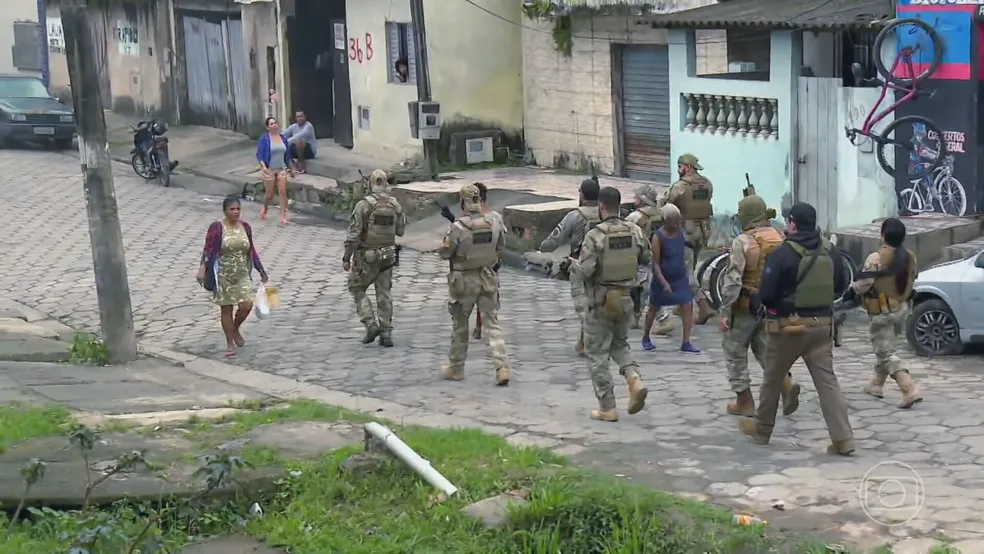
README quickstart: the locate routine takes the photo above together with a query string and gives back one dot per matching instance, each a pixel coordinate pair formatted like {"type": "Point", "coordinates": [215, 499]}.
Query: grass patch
{"type": "Point", "coordinates": [88, 350]}
{"type": "Point", "coordinates": [20, 423]}
{"type": "Point", "coordinates": [240, 423]}
{"type": "Point", "coordinates": [385, 508]}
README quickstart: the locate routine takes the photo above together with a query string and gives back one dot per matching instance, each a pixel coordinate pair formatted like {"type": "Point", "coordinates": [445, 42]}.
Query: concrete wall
{"type": "Point", "coordinates": [568, 100]}
{"type": "Point", "coordinates": [726, 158]}
{"type": "Point", "coordinates": [14, 10]}
{"type": "Point", "coordinates": [259, 33]}
{"type": "Point", "coordinates": [864, 191]}
{"type": "Point", "coordinates": [139, 70]}
{"type": "Point", "coordinates": [475, 66]}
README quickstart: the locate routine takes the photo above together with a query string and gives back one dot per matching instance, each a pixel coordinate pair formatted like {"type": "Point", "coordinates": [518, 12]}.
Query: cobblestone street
{"type": "Point", "coordinates": [684, 441]}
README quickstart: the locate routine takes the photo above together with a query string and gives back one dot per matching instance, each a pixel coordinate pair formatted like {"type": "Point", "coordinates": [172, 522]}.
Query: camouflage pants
{"type": "Point", "coordinates": [696, 233]}
{"type": "Point", "coordinates": [468, 291]}
{"type": "Point", "coordinates": [360, 278]}
{"type": "Point", "coordinates": [884, 330]}
{"type": "Point", "coordinates": [606, 339]}
{"type": "Point", "coordinates": [736, 353]}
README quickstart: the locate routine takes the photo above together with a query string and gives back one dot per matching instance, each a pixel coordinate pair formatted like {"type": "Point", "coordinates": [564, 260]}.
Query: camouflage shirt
{"type": "Point", "coordinates": [357, 226]}
{"type": "Point", "coordinates": [731, 278]}
{"type": "Point", "coordinates": [570, 230]}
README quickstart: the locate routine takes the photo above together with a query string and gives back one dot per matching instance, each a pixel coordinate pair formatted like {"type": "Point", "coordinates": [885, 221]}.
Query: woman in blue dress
{"type": "Point", "coordinates": [671, 282]}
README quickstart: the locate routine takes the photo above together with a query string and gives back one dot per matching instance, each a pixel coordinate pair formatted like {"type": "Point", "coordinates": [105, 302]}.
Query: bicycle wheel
{"type": "Point", "coordinates": [910, 202]}
{"type": "Point", "coordinates": [849, 267]}
{"type": "Point", "coordinates": [953, 197]}
{"type": "Point", "coordinates": [921, 70]}
{"type": "Point", "coordinates": [899, 135]}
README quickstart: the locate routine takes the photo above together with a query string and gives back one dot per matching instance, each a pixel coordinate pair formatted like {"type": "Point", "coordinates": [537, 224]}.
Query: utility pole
{"type": "Point", "coordinates": [105, 235]}
{"type": "Point", "coordinates": [423, 77]}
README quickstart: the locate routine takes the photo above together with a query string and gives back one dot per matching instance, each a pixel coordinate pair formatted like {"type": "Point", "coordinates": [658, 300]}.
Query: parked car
{"type": "Point", "coordinates": [948, 310]}
{"type": "Point", "coordinates": [28, 113]}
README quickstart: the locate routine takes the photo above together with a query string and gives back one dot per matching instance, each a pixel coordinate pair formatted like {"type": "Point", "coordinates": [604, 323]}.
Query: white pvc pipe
{"type": "Point", "coordinates": [411, 458]}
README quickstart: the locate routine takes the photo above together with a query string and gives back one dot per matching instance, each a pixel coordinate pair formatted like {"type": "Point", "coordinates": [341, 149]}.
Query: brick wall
{"type": "Point", "coordinates": [568, 101]}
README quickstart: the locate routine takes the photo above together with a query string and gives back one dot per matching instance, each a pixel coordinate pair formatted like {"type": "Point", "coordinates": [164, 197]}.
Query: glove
{"type": "Point", "coordinates": [446, 212]}
{"type": "Point", "coordinates": [496, 267]}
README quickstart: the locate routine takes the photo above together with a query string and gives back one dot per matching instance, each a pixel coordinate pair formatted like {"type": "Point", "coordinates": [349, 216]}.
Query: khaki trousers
{"type": "Point", "coordinates": [815, 345]}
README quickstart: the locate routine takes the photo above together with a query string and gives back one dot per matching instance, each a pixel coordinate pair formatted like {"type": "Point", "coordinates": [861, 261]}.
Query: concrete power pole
{"type": "Point", "coordinates": [108, 262]}
{"type": "Point", "coordinates": [423, 78]}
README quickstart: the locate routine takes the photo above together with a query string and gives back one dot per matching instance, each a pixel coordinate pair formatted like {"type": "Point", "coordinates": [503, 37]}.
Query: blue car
{"type": "Point", "coordinates": [29, 114]}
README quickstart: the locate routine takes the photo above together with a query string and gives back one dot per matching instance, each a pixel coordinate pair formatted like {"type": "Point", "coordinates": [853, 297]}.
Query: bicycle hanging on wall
{"type": "Point", "coordinates": [910, 133]}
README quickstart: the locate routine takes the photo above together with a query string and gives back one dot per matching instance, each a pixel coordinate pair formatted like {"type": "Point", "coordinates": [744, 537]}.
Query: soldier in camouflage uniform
{"type": "Point", "coordinates": [693, 194]}
{"type": "Point", "coordinates": [885, 296]}
{"type": "Point", "coordinates": [370, 256]}
{"type": "Point", "coordinates": [648, 217]}
{"type": "Point", "coordinates": [573, 229]}
{"type": "Point", "coordinates": [739, 285]}
{"type": "Point", "coordinates": [609, 259]}
{"type": "Point", "coordinates": [474, 244]}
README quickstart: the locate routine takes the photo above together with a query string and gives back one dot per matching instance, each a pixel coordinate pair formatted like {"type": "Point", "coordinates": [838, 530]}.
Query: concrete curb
{"type": "Point", "coordinates": [289, 389]}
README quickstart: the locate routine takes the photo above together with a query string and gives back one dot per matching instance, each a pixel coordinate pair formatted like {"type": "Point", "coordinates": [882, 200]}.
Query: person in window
{"type": "Point", "coordinates": [402, 67]}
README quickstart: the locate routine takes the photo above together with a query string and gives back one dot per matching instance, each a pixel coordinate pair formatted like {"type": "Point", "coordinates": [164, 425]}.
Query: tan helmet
{"type": "Point", "coordinates": [377, 179]}
{"type": "Point", "coordinates": [471, 198]}
{"type": "Point", "coordinates": [751, 210]}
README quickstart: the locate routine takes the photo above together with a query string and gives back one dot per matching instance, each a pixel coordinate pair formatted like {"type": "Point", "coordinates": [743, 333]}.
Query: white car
{"type": "Point", "coordinates": [948, 308]}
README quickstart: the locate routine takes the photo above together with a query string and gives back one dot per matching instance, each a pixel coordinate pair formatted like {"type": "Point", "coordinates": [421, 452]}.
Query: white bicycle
{"type": "Point", "coordinates": [939, 187]}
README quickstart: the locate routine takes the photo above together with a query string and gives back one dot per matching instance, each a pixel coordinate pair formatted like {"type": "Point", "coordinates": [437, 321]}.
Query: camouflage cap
{"type": "Point", "coordinates": [470, 197]}
{"type": "Point", "coordinates": [691, 160]}
{"type": "Point", "coordinates": [648, 195]}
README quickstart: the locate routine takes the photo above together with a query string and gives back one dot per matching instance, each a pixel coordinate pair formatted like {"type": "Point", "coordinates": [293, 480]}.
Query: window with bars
{"type": "Point", "coordinates": [401, 46]}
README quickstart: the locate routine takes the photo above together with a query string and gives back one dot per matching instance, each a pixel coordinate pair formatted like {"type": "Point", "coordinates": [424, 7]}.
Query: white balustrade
{"type": "Point", "coordinates": [744, 116]}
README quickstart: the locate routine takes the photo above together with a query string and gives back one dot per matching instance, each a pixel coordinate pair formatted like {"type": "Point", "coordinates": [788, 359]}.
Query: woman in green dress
{"type": "Point", "coordinates": [226, 270]}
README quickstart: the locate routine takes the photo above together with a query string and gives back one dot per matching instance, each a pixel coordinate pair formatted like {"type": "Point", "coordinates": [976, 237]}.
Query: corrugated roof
{"type": "Point", "coordinates": [780, 14]}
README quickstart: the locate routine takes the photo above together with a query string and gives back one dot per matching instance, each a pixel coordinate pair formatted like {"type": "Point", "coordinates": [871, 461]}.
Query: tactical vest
{"type": "Point", "coordinates": [695, 202]}
{"type": "Point", "coordinates": [476, 249]}
{"type": "Point", "coordinates": [816, 288]}
{"type": "Point", "coordinates": [767, 240]}
{"type": "Point", "coordinates": [619, 255]}
{"type": "Point", "coordinates": [380, 223]}
{"type": "Point", "coordinates": [592, 217]}
{"type": "Point", "coordinates": [645, 218]}
{"type": "Point", "coordinates": [885, 286]}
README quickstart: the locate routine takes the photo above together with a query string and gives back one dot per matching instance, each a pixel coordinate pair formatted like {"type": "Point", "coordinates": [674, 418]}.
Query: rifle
{"type": "Point", "coordinates": [748, 190]}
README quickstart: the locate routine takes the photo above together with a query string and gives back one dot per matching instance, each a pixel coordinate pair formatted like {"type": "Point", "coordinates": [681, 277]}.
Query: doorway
{"type": "Point", "coordinates": [318, 83]}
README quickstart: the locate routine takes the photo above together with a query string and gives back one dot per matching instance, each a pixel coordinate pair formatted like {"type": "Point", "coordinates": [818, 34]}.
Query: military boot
{"type": "Point", "coordinates": [605, 415]}
{"type": "Point", "coordinates": [637, 393]}
{"type": "Point", "coordinates": [790, 394]}
{"type": "Point", "coordinates": [665, 327]}
{"type": "Point", "coordinates": [744, 404]}
{"type": "Point", "coordinates": [386, 339]}
{"type": "Point", "coordinates": [580, 345]}
{"type": "Point", "coordinates": [841, 448]}
{"type": "Point", "coordinates": [372, 331]}
{"type": "Point", "coordinates": [704, 311]}
{"type": "Point", "coordinates": [502, 376]}
{"type": "Point", "coordinates": [875, 386]}
{"type": "Point", "coordinates": [450, 374]}
{"type": "Point", "coordinates": [909, 388]}
{"type": "Point", "coordinates": [748, 426]}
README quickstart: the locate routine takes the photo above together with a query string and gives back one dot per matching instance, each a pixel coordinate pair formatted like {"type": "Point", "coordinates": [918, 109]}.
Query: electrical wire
{"type": "Point", "coordinates": [704, 42]}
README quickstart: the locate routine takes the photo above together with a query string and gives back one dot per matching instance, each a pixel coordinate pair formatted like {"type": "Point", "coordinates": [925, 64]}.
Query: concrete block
{"type": "Point", "coordinates": [494, 512]}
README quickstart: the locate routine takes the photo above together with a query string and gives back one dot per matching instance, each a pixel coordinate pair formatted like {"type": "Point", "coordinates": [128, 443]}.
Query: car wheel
{"type": "Point", "coordinates": [932, 329]}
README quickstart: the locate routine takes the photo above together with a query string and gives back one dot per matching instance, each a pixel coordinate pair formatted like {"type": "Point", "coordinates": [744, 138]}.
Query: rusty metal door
{"type": "Point", "coordinates": [645, 125]}
{"type": "Point", "coordinates": [236, 54]}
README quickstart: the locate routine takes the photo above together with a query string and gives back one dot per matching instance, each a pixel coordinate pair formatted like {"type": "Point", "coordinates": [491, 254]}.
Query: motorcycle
{"type": "Point", "coordinates": [150, 158]}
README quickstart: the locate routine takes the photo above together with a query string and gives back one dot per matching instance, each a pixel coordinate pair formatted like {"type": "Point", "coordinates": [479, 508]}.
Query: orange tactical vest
{"type": "Point", "coordinates": [767, 240]}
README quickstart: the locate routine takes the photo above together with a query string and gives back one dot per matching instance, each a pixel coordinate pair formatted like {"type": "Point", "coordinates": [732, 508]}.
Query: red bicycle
{"type": "Point", "coordinates": [908, 133]}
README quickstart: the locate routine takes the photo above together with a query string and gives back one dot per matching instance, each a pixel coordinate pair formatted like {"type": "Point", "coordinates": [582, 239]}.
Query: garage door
{"type": "Point", "coordinates": [646, 112]}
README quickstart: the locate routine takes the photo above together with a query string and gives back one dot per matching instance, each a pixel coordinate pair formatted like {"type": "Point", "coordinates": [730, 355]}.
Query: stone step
{"type": "Point", "coordinates": [962, 250]}
{"type": "Point", "coordinates": [929, 236]}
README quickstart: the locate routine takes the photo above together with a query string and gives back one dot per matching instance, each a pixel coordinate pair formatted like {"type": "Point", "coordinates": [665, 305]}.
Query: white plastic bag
{"type": "Point", "coordinates": [261, 303]}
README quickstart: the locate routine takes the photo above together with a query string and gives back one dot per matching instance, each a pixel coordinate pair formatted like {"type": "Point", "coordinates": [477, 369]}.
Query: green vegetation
{"type": "Point", "coordinates": [88, 350]}
{"type": "Point", "coordinates": [19, 423]}
{"type": "Point", "coordinates": [380, 506]}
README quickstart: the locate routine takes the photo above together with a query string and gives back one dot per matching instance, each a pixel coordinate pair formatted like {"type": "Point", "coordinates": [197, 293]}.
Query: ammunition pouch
{"type": "Point", "coordinates": [881, 304]}
{"type": "Point", "coordinates": [387, 256]}
{"type": "Point", "coordinates": [748, 302]}
{"type": "Point", "coordinates": [613, 304]}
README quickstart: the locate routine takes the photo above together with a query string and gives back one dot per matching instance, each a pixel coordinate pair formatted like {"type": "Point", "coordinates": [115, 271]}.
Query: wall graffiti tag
{"type": "Point", "coordinates": [360, 52]}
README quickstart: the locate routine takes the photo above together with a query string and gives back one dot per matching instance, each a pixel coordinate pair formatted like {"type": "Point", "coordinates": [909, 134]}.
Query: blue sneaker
{"type": "Point", "coordinates": [689, 348]}
{"type": "Point", "coordinates": [647, 344]}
